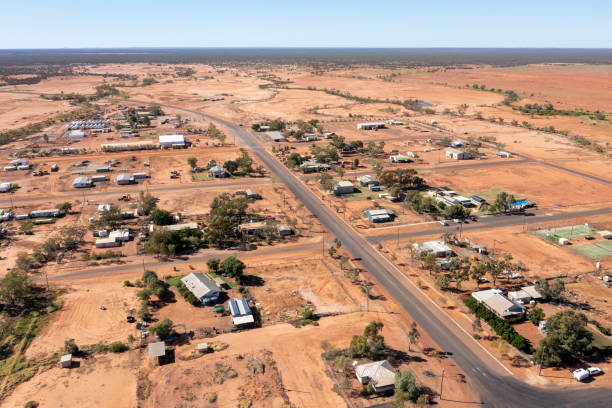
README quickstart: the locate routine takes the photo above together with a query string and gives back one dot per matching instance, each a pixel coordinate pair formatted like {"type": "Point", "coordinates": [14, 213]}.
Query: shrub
{"type": "Point", "coordinates": [118, 347]}
{"type": "Point", "coordinates": [70, 347]}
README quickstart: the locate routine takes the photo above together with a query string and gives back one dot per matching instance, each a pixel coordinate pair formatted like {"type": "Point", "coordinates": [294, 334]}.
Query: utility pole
{"type": "Point", "coordinates": [397, 242]}
{"type": "Point", "coordinates": [442, 382]}
{"type": "Point", "coordinates": [542, 360]}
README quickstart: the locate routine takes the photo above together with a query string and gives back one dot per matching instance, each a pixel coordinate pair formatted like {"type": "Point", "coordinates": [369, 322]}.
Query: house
{"type": "Point", "coordinates": [328, 135]}
{"type": "Point", "coordinates": [276, 136]}
{"type": "Point", "coordinates": [10, 168]}
{"type": "Point", "coordinates": [107, 242]}
{"type": "Point", "coordinates": [478, 200]}
{"type": "Point", "coordinates": [283, 230]}
{"type": "Point", "coordinates": [202, 287]}
{"type": "Point", "coordinates": [382, 215]}
{"type": "Point", "coordinates": [103, 207]}
{"type": "Point", "coordinates": [45, 213]}
{"type": "Point", "coordinates": [310, 137]}
{"type": "Point", "coordinates": [457, 143]}
{"type": "Point", "coordinates": [103, 169]}
{"type": "Point", "coordinates": [178, 227]}
{"type": "Point", "coordinates": [506, 155]}
{"type": "Point", "coordinates": [252, 227]}
{"type": "Point", "coordinates": [66, 361]}
{"type": "Point", "coordinates": [120, 235]}
{"type": "Point", "coordinates": [24, 167]}
{"type": "Point", "coordinates": [76, 134]}
{"type": "Point", "coordinates": [126, 133]}
{"type": "Point", "coordinates": [370, 125]}
{"type": "Point", "coordinates": [464, 201]}
{"type": "Point", "coordinates": [252, 194]}
{"type": "Point", "coordinates": [310, 166]}
{"type": "Point", "coordinates": [19, 161]}
{"type": "Point", "coordinates": [263, 128]}
{"type": "Point", "coordinates": [124, 147]}
{"type": "Point", "coordinates": [99, 179]}
{"type": "Point", "coordinates": [379, 373]}
{"type": "Point", "coordinates": [5, 187]}
{"type": "Point", "coordinates": [124, 178]}
{"type": "Point", "coordinates": [367, 180]}
{"type": "Point", "coordinates": [394, 122]}
{"type": "Point", "coordinates": [169, 141]}
{"type": "Point", "coordinates": [398, 158]}
{"type": "Point", "coordinates": [157, 350]}
{"type": "Point", "coordinates": [495, 301]}
{"type": "Point", "coordinates": [81, 182]}
{"type": "Point", "coordinates": [139, 176]}
{"type": "Point", "coordinates": [344, 187]}
{"type": "Point", "coordinates": [456, 154]}
{"type": "Point", "coordinates": [217, 171]}
{"type": "Point", "coordinates": [438, 248]}
{"type": "Point", "coordinates": [241, 312]}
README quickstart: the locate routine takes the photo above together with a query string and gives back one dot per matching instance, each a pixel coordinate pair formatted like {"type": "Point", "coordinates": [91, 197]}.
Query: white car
{"type": "Point", "coordinates": [443, 223]}
{"type": "Point", "coordinates": [594, 370]}
{"type": "Point", "coordinates": [581, 374]}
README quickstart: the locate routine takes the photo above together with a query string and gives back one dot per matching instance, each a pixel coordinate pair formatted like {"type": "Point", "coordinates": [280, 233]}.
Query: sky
{"type": "Point", "coordinates": [306, 23]}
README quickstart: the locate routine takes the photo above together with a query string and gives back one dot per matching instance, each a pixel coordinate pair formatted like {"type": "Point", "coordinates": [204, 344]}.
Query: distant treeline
{"type": "Point", "coordinates": [343, 56]}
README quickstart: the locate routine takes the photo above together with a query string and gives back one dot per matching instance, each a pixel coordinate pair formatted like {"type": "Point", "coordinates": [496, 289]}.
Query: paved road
{"type": "Point", "coordinates": [495, 387]}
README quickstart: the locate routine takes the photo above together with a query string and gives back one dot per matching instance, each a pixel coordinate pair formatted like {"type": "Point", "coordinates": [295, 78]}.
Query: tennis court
{"type": "Point", "coordinates": [595, 251]}
{"type": "Point", "coordinates": [570, 232]}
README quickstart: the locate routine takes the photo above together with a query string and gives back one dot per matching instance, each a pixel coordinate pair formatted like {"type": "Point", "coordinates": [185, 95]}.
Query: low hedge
{"type": "Point", "coordinates": [502, 327]}
{"type": "Point", "coordinates": [189, 297]}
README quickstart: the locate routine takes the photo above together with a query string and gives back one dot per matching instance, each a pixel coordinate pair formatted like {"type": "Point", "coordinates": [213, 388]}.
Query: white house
{"type": "Point", "coordinates": [107, 242]}
{"type": "Point", "coordinates": [81, 182]}
{"type": "Point", "coordinates": [202, 287]}
{"type": "Point", "coordinates": [367, 180]}
{"type": "Point", "coordinates": [168, 141]}
{"type": "Point", "coordinates": [438, 248]}
{"type": "Point", "coordinates": [456, 154]}
{"type": "Point", "coordinates": [276, 136]}
{"type": "Point", "coordinates": [495, 301]}
{"type": "Point", "coordinates": [398, 158]}
{"type": "Point", "coordinates": [379, 373]}
{"type": "Point", "coordinates": [344, 187]}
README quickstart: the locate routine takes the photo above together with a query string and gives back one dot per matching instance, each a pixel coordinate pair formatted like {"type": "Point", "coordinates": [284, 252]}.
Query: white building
{"type": "Point", "coordinates": [344, 187]}
{"type": "Point", "coordinates": [495, 301]}
{"type": "Point", "coordinates": [241, 312]}
{"type": "Point", "coordinates": [107, 242]}
{"type": "Point", "coordinates": [379, 373]}
{"type": "Point", "coordinates": [169, 141]}
{"type": "Point", "coordinates": [370, 125]}
{"type": "Point", "coordinates": [456, 154]}
{"type": "Point", "coordinates": [398, 158]}
{"type": "Point", "coordinates": [81, 182]}
{"type": "Point", "coordinates": [5, 187]}
{"type": "Point", "coordinates": [438, 248]}
{"type": "Point", "coordinates": [124, 178]}
{"type": "Point", "coordinates": [76, 134]}
{"type": "Point", "coordinates": [202, 287]}
{"type": "Point", "coordinates": [217, 172]}
{"type": "Point", "coordinates": [276, 136]}
{"type": "Point", "coordinates": [367, 180]}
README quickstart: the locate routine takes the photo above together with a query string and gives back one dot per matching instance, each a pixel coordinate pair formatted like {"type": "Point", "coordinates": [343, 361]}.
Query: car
{"type": "Point", "coordinates": [472, 218]}
{"type": "Point", "coordinates": [443, 223]}
{"type": "Point", "coordinates": [130, 319]}
{"type": "Point", "coordinates": [594, 370]}
{"type": "Point", "coordinates": [581, 374]}
{"type": "Point", "coordinates": [456, 220]}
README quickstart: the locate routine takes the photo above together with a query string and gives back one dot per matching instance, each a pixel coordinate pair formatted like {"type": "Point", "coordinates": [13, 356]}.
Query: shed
{"type": "Point", "coordinates": [398, 158]}
{"type": "Point", "coordinates": [171, 141]}
{"type": "Point", "coordinates": [202, 287]}
{"type": "Point", "coordinates": [157, 349]}
{"type": "Point", "coordinates": [124, 178]}
{"type": "Point", "coordinates": [217, 171]}
{"type": "Point", "coordinates": [107, 243]}
{"type": "Point", "coordinates": [370, 125]}
{"type": "Point", "coordinates": [99, 179]}
{"type": "Point", "coordinates": [81, 182]}
{"type": "Point", "coordinates": [367, 180]}
{"type": "Point", "coordinates": [276, 136]}
{"type": "Point", "coordinates": [344, 187]}
{"type": "Point", "coordinates": [66, 361]}
{"type": "Point", "coordinates": [203, 348]}
{"type": "Point", "coordinates": [438, 248]}
{"type": "Point", "coordinates": [182, 226]}
{"type": "Point", "coordinates": [283, 230]}
{"type": "Point", "coordinates": [103, 169]}
{"type": "Point", "coordinates": [605, 234]}
{"type": "Point", "coordinates": [241, 312]}
{"type": "Point", "coordinates": [380, 374]}
{"type": "Point", "coordinates": [456, 154]}
{"type": "Point", "coordinates": [10, 168]}
{"type": "Point", "coordinates": [5, 187]}
{"type": "Point", "coordinates": [478, 200]}
{"type": "Point", "coordinates": [504, 154]}
{"type": "Point", "coordinates": [120, 235]}
{"type": "Point", "coordinates": [139, 175]}
{"type": "Point", "coordinates": [76, 134]}
{"type": "Point", "coordinates": [381, 215]}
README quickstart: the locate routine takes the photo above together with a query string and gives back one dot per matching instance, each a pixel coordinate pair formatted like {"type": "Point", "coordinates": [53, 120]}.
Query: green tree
{"type": "Point", "coordinates": [26, 226]}
{"type": "Point", "coordinates": [193, 162]}
{"type": "Point", "coordinates": [65, 207]}
{"type": "Point", "coordinates": [535, 315]}
{"type": "Point", "coordinates": [161, 217]}
{"type": "Point", "coordinates": [232, 267]}
{"type": "Point", "coordinates": [550, 290]}
{"type": "Point", "coordinates": [70, 346]}
{"type": "Point", "coordinates": [163, 328]}
{"type": "Point", "coordinates": [377, 167]}
{"type": "Point", "coordinates": [110, 218]}
{"type": "Point", "coordinates": [15, 287]}
{"type": "Point", "coordinates": [213, 264]}
{"type": "Point", "coordinates": [443, 282]}
{"type": "Point", "coordinates": [147, 202]}
{"type": "Point", "coordinates": [406, 387]}
{"type": "Point", "coordinates": [413, 334]}
{"type": "Point", "coordinates": [118, 347]}
{"type": "Point", "coordinates": [568, 338]}
{"type": "Point", "coordinates": [244, 162]}
{"type": "Point", "coordinates": [146, 122]}
{"type": "Point", "coordinates": [327, 181]}
{"type": "Point", "coordinates": [25, 262]}
{"type": "Point", "coordinates": [231, 166]}
{"type": "Point", "coordinates": [456, 212]}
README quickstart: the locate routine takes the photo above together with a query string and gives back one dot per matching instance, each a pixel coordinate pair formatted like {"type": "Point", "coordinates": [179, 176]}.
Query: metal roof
{"type": "Point", "coordinates": [172, 139]}
{"type": "Point", "coordinates": [157, 349]}
{"type": "Point", "coordinates": [200, 285]}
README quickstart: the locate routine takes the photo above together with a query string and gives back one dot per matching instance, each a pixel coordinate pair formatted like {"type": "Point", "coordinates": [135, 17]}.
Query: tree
{"type": "Point", "coordinates": [232, 267]}
{"type": "Point", "coordinates": [226, 214]}
{"type": "Point", "coordinates": [118, 347]}
{"type": "Point", "coordinates": [503, 201]}
{"type": "Point", "coordinates": [110, 218]}
{"type": "Point", "coordinates": [65, 207]}
{"type": "Point", "coordinates": [443, 282]}
{"type": "Point", "coordinates": [231, 166]}
{"type": "Point", "coordinates": [162, 329]}
{"type": "Point", "coordinates": [568, 338]}
{"type": "Point", "coordinates": [406, 387]}
{"type": "Point", "coordinates": [15, 287]}
{"type": "Point", "coordinates": [147, 202]}
{"type": "Point", "coordinates": [535, 315]}
{"type": "Point", "coordinates": [244, 162]}
{"type": "Point", "coordinates": [255, 127]}
{"type": "Point", "coordinates": [70, 347]}
{"type": "Point", "coordinates": [144, 294]}
{"type": "Point", "coordinates": [193, 162]}
{"type": "Point", "coordinates": [213, 264]}
{"type": "Point", "coordinates": [456, 212]}
{"type": "Point", "coordinates": [25, 262]}
{"type": "Point", "coordinates": [377, 167]}
{"type": "Point", "coordinates": [161, 217]}
{"type": "Point", "coordinates": [401, 178]}
{"type": "Point", "coordinates": [550, 290]}
{"type": "Point", "coordinates": [155, 110]}
{"type": "Point", "coordinates": [26, 226]}
{"type": "Point", "coordinates": [413, 335]}
{"type": "Point", "coordinates": [146, 122]}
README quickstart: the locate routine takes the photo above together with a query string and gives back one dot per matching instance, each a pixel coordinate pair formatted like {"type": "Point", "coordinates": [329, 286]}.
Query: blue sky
{"type": "Point", "coordinates": [314, 23]}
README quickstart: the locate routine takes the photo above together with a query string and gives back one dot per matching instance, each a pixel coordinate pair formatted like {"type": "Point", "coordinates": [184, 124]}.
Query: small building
{"type": "Point", "coordinates": [506, 155]}
{"type": "Point", "coordinates": [310, 137]}
{"type": "Point", "coordinates": [457, 143]}
{"type": "Point", "coordinates": [10, 168]}
{"type": "Point", "coordinates": [139, 176]}
{"type": "Point", "coordinates": [370, 125]}
{"type": "Point", "coordinates": [124, 178]}
{"type": "Point", "coordinates": [120, 235]}
{"type": "Point", "coordinates": [478, 200]}
{"type": "Point", "coordinates": [202, 287]}
{"type": "Point", "coordinates": [382, 215]}
{"type": "Point", "coordinates": [311, 166]}
{"type": "Point", "coordinates": [5, 187]}
{"type": "Point", "coordinates": [283, 230]}
{"type": "Point", "coordinates": [157, 350]}
{"type": "Point", "coordinates": [241, 312]}
{"type": "Point", "coordinates": [81, 182]}
{"type": "Point", "coordinates": [328, 135]}
{"type": "Point", "coordinates": [217, 172]}
{"type": "Point", "coordinates": [344, 187]}
{"type": "Point", "coordinates": [103, 207]}
{"type": "Point", "coordinates": [99, 179]}
{"type": "Point", "coordinates": [252, 227]}
{"type": "Point", "coordinates": [45, 213]}
{"type": "Point", "coordinates": [438, 248]}
{"type": "Point", "coordinates": [21, 160]}
{"type": "Point", "coordinates": [252, 194]}
{"type": "Point", "coordinates": [107, 242]}
{"type": "Point", "coordinates": [604, 234]}
{"type": "Point", "coordinates": [203, 348]}
{"type": "Point", "coordinates": [380, 374]}
{"type": "Point", "coordinates": [76, 134]}
{"type": "Point", "coordinates": [276, 136]}
{"type": "Point", "coordinates": [66, 361]}
{"type": "Point", "coordinates": [182, 226]}
{"type": "Point", "coordinates": [464, 201]}
{"type": "Point", "coordinates": [367, 180]}
{"type": "Point", "coordinates": [456, 154]}
{"type": "Point", "coordinates": [103, 169]}
{"type": "Point", "coordinates": [24, 167]}
{"type": "Point", "coordinates": [398, 158]}
{"type": "Point", "coordinates": [170, 141]}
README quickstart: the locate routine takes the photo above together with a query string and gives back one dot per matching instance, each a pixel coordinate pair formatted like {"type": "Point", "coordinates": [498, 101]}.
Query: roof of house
{"type": "Point", "coordinates": [199, 284]}
{"type": "Point", "coordinates": [344, 183]}
{"type": "Point", "coordinates": [484, 294]}
{"type": "Point", "coordinates": [217, 169]}
{"type": "Point", "coordinates": [241, 312]}
{"type": "Point", "coordinates": [380, 373]}
{"type": "Point", "coordinates": [531, 291]}
{"type": "Point", "coordinates": [275, 135]}
{"type": "Point", "coordinates": [157, 349]}
{"type": "Point", "coordinates": [123, 176]}
{"type": "Point", "coordinates": [173, 139]}
{"type": "Point", "coordinates": [436, 246]}
{"type": "Point", "coordinates": [178, 227]}
{"type": "Point", "coordinates": [382, 211]}
{"type": "Point", "coordinates": [453, 150]}
{"type": "Point", "coordinates": [502, 305]}
{"type": "Point", "coordinates": [81, 180]}
{"type": "Point", "coordinates": [365, 179]}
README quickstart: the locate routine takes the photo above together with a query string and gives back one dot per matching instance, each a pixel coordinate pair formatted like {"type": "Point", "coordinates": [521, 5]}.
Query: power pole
{"type": "Point", "coordinates": [442, 382]}
{"type": "Point", "coordinates": [541, 360]}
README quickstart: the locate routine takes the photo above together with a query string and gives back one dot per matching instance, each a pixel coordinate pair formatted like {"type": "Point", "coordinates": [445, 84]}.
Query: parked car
{"type": "Point", "coordinates": [581, 374]}
{"type": "Point", "coordinates": [443, 223]}
{"type": "Point", "coordinates": [594, 370]}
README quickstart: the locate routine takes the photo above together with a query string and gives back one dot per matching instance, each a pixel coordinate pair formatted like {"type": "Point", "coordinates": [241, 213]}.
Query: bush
{"type": "Point", "coordinates": [70, 347]}
{"type": "Point", "coordinates": [118, 347]}
{"type": "Point", "coordinates": [128, 284]}
{"type": "Point", "coordinates": [502, 327]}
{"type": "Point", "coordinates": [189, 297]}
